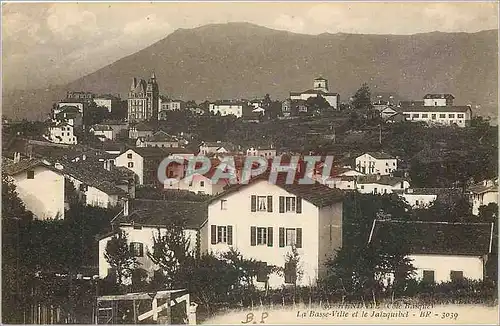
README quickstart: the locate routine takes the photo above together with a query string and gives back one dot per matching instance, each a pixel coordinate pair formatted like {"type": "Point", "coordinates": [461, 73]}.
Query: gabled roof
{"type": "Point", "coordinates": [141, 126]}
{"type": "Point", "coordinates": [319, 78]}
{"type": "Point", "coordinates": [69, 109]}
{"type": "Point", "coordinates": [436, 238]}
{"type": "Point", "coordinates": [313, 91]}
{"type": "Point", "coordinates": [380, 155]}
{"type": "Point", "coordinates": [317, 194]}
{"type": "Point", "coordinates": [102, 128]}
{"type": "Point", "coordinates": [439, 96]}
{"type": "Point", "coordinates": [382, 180]}
{"type": "Point", "coordinates": [149, 212]}
{"type": "Point", "coordinates": [23, 165]}
{"type": "Point", "coordinates": [160, 136]}
{"type": "Point", "coordinates": [481, 187]}
{"type": "Point", "coordinates": [149, 152]}
{"type": "Point", "coordinates": [438, 109]}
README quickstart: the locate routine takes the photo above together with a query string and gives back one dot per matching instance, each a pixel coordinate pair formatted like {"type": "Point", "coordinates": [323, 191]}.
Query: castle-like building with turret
{"type": "Point", "coordinates": [143, 100]}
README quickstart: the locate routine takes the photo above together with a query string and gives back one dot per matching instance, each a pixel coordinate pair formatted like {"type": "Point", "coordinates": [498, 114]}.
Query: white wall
{"type": "Point", "coordinates": [137, 160]}
{"type": "Point", "coordinates": [483, 199]}
{"type": "Point", "coordinates": [106, 133]}
{"type": "Point", "coordinates": [103, 102]}
{"type": "Point", "coordinates": [227, 109]}
{"type": "Point", "coordinates": [239, 215]}
{"type": "Point", "coordinates": [144, 236]}
{"type": "Point", "coordinates": [369, 188]}
{"type": "Point", "coordinates": [43, 195]}
{"type": "Point", "coordinates": [62, 135]}
{"type": "Point", "coordinates": [370, 165]}
{"type": "Point", "coordinates": [442, 118]}
{"type": "Point", "coordinates": [472, 267]}
{"type": "Point", "coordinates": [434, 102]}
{"type": "Point", "coordinates": [199, 185]}
{"type": "Point", "coordinates": [419, 200]}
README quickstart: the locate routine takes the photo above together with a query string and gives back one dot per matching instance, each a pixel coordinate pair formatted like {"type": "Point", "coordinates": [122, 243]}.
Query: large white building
{"type": "Point", "coordinates": [271, 219]}
{"type": "Point", "coordinates": [320, 88]}
{"type": "Point", "coordinates": [376, 163]}
{"type": "Point", "coordinates": [380, 184]}
{"type": "Point", "coordinates": [40, 186]}
{"type": "Point", "coordinates": [482, 194]}
{"type": "Point", "coordinates": [227, 108]}
{"type": "Point", "coordinates": [61, 133]}
{"type": "Point", "coordinates": [440, 251]}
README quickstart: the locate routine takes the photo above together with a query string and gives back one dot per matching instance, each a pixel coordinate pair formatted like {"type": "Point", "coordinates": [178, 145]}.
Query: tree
{"type": "Point", "coordinates": [317, 104]}
{"type": "Point", "coordinates": [119, 257]}
{"type": "Point", "coordinates": [170, 251]}
{"type": "Point", "coordinates": [362, 99]}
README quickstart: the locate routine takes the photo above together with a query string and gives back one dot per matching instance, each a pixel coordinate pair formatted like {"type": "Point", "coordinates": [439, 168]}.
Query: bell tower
{"type": "Point", "coordinates": [320, 84]}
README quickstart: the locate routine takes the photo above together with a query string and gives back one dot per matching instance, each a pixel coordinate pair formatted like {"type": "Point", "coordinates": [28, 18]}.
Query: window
{"type": "Point", "coordinates": [385, 191]}
{"type": "Point", "coordinates": [130, 164]}
{"type": "Point", "coordinates": [374, 190]}
{"type": "Point", "coordinates": [451, 116]}
{"type": "Point", "coordinates": [202, 183]}
{"type": "Point", "coordinates": [385, 170]}
{"type": "Point", "coordinates": [460, 116]}
{"type": "Point", "coordinates": [456, 275]}
{"type": "Point", "coordinates": [433, 116]}
{"type": "Point", "coordinates": [428, 276]}
{"type": "Point", "coordinates": [415, 116]}
{"type": "Point", "coordinates": [442, 116]}
{"type": "Point", "coordinates": [290, 237]}
{"type": "Point", "coordinates": [290, 204]}
{"type": "Point", "coordinates": [386, 163]}
{"type": "Point", "coordinates": [137, 227]}
{"type": "Point", "coordinates": [223, 205]}
{"type": "Point", "coordinates": [424, 115]}
{"type": "Point", "coordinates": [261, 203]}
{"type": "Point", "coordinates": [221, 234]}
{"type": "Point", "coordinates": [136, 249]}
{"type": "Point", "coordinates": [261, 236]}
{"type": "Point", "coordinates": [416, 202]}
{"type": "Point", "coordinates": [435, 103]}
{"type": "Point", "coordinates": [362, 186]}
{"type": "Point", "coordinates": [460, 121]}
{"type": "Point", "coordinates": [129, 156]}
{"type": "Point", "coordinates": [406, 115]}
{"type": "Point", "coordinates": [30, 174]}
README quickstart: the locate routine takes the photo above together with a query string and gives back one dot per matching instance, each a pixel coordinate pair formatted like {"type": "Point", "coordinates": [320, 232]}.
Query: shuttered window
{"type": "Point", "coordinates": [221, 234]}
{"type": "Point", "coordinates": [290, 237]}
{"type": "Point", "coordinates": [299, 205]}
{"type": "Point", "coordinates": [261, 236]}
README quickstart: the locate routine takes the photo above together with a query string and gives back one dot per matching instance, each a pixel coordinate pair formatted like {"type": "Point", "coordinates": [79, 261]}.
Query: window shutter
{"type": "Point", "coordinates": [299, 205]}
{"type": "Point", "coordinates": [282, 204]}
{"type": "Point", "coordinates": [213, 234]}
{"type": "Point", "coordinates": [282, 237]}
{"type": "Point", "coordinates": [141, 250]}
{"type": "Point", "coordinates": [253, 236]}
{"type": "Point", "coordinates": [269, 203]}
{"type": "Point", "coordinates": [230, 235]}
{"type": "Point", "coordinates": [270, 236]}
{"type": "Point", "coordinates": [254, 203]}
{"type": "Point", "coordinates": [298, 243]}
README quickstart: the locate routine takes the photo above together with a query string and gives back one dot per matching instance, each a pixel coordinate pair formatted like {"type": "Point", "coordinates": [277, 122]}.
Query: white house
{"type": "Point", "coordinates": [440, 251]}
{"type": "Point", "coordinates": [103, 132]}
{"type": "Point", "coordinates": [261, 151]}
{"type": "Point", "coordinates": [61, 133]}
{"type": "Point", "coordinates": [439, 115]}
{"type": "Point", "coordinates": [320, 87]}
{"type": "Point", "coordinates": [380, 184]}
{"type": "Point", "coordinates": [425, 197]}
{"type": "Point", "coordinates": [438, 100]}
{"type": "Point", "coordinates": [227, 108]}
{"type": "Point", "coordinates": [141, 219]}
{"type": "Point", "coordinates": [143, 161]}
{"type": "Point", "coordinates": [199, 184]}
{"type": "Point", "coordinates": [158, 139]}
{"type": "Point", "coordinates": [483, 193]}
{"type": "Point", "coordinates": [376, 163]}
{"type": "Point", "coordinates": [40, 186]}
{"type": "Point", "coordinates": [263, 221]}
{"type": "Point", "coordinates": [218, 147]}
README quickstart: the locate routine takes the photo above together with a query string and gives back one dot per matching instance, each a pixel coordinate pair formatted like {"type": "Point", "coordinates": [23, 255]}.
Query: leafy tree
{"type": "Point", "coordinates": [170, 251]}
{"type": "Point", "coordinates": [317, 104]}
{"type": "Point", "coordinates": [362, 99]}
{"type": "Point", "coordinates": [119, 257]}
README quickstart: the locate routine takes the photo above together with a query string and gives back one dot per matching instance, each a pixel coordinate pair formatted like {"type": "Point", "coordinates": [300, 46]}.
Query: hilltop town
{"type": "Point", "coordinates": [415, 181]}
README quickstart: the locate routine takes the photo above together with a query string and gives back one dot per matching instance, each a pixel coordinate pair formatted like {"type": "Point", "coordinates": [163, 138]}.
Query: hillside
{"type": "Point", "coordinates": [241, 60]}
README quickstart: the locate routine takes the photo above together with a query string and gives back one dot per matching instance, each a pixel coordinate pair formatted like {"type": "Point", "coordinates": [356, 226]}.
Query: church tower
{"type": "Point", "coordinates": [152, 95]}
{"type": "Point", "coordinates": [321, 84]}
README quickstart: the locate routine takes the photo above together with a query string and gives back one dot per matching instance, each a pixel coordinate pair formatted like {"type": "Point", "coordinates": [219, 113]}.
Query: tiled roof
{"type": "Point", "coordinates": [405, 104]}
{"type": "Point", "coordinates": [381, 155]}
{"type": "Point", "coordinates": [317, 194]}
{"type": "Point", "coordinates": [149, 152]}
{"type": "Point", "coordinates": [439, 96]}
{"type": "Point", "coordinates": [479, 188]}
{"type": "Point", "coordinates": [313, 91]}
{"type": "Point", "coordinates": [142, 127]}
{"type": "Point", "coordinates": [438, 109]}
{"type": "Point", "coordinates": [436, 238]}
{"type": "Point", "coordinates": [23, 165]}
{"type": "Point", "coordinates": [102, 128]}
{"type": "Point", "coordinates": [160, 136]}
{"type": "Point", "coordinates": [69, 109]}
{"type": "Point", "coordinates": [383, 180]}
{"type": "Point", "coordinates": [150, 212]}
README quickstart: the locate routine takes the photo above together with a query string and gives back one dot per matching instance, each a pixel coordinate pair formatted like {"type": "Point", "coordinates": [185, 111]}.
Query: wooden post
{"type": "Point", "coordinates": [135, 312]}
{"type": "Point", "coordinates": [154, 305]}
{"type": "Point", "coordinates": [168, 310]}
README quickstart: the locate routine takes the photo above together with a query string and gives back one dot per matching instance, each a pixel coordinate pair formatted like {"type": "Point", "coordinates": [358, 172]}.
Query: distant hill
{"type": "Point", "coordinates": [241, 60]}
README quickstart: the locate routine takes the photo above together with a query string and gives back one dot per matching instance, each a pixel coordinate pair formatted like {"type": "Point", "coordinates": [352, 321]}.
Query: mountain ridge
{"type": "Point", "coordinates": [244, 60]}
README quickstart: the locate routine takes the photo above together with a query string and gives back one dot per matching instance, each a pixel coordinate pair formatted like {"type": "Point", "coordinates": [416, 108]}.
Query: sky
{"type": "Point", "coordinates": [46, 44]}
